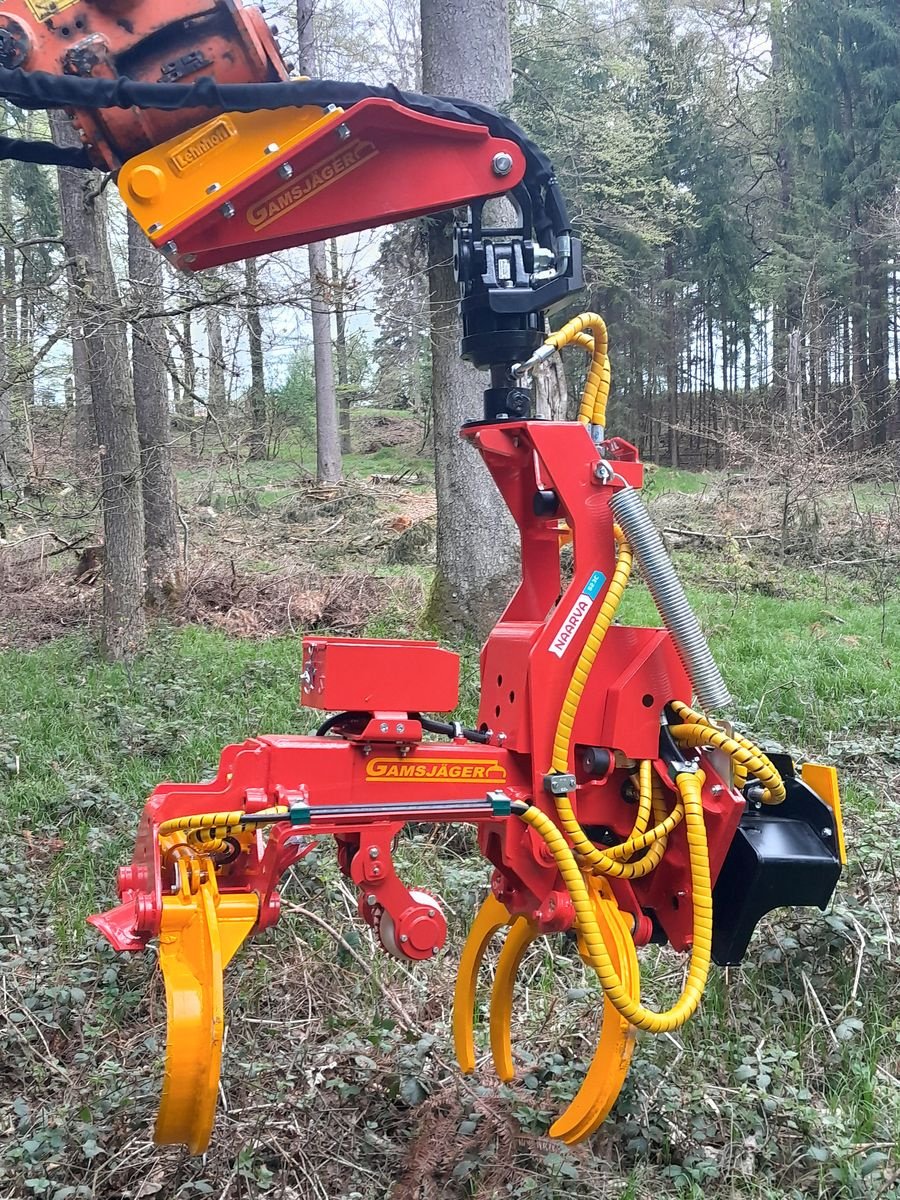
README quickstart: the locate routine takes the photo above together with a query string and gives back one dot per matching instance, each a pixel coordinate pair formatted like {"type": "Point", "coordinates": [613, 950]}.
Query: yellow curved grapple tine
{"type": "Point", "coordinates": [490, 917]}
{"type": "Point", "coordinates": [199, 935]}
{"type": "Point", "coordinates": [520, 937]}
{"type": "Point", "coordinates": [606, 1074]}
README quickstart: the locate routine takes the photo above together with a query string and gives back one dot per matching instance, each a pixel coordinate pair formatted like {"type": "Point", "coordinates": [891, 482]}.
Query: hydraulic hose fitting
{"type": "Point", "coordinates": [665, 587]}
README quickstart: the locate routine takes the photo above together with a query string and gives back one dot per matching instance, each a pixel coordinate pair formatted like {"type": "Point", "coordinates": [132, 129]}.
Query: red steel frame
{"type": "Point", "coordinates": [363, 788]}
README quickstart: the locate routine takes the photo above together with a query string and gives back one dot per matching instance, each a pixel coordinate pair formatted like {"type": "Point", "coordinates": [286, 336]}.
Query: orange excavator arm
{"type": "Point", "coordinates": [220, 156]}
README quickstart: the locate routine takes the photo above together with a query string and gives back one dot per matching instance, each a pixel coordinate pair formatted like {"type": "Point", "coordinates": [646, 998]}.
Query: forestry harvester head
{"type": "Point", "coordinates": [613, 799]}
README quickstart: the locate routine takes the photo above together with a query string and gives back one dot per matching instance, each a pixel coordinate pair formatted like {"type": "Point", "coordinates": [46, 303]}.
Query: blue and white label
{"type": "Point", "coordinates": [577, 613]}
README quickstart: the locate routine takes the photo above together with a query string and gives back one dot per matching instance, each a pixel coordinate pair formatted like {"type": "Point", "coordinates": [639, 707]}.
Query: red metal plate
{"type": "Point", "coordinates": [377, 163]}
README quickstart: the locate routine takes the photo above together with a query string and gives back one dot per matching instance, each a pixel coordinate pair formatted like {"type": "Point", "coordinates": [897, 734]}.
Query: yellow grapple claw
{"type": "Point", "coordinates": [606, 1074]}
{"type": "Point", "coordinates": [490, 917]}
{"type": "Point", "coordinates": [520, 937]}
{"type": "Point", "coordinates": [199, 935]}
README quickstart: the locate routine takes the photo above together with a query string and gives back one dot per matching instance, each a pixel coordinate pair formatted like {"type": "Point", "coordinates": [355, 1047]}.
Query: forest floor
{"type": "Point", "coordinates": [787, 1084]}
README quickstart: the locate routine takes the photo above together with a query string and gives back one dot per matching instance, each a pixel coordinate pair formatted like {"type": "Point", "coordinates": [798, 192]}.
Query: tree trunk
{"type": "Point", "coordinates": [256, 397]}
{"type": "Point", "coordinates": [93, 282]}
{"type": "Point", "coordinates": [477, 550]}
{"type": "Point", "coordinates": [340, 343]}
{"type": "Point", "coordinates": [328, 430]}
{"type": "Point", "coordinates": [216, 394]}
{"type": "Point", "coordinates": [671, 359]}
{"type": "Point", "coordinates": [328, 438]}
{"type": "Point", "coordinates": [151, 403]}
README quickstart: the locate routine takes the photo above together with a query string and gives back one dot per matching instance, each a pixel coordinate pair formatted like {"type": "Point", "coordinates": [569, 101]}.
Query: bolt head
{"type": "Point", "coordinates": [285, 170]}
{"type": "Point", "coordinates": [272, 148]}
{"type": "Point", "coordinates": [502, 163]}
{"type": "Point", "coordinates": [213, 187]}
{"type": "Point", "coordinates": [343, 132]}
{"type": "Point", "coordinates": [374, 852]}
{"type": "Point", "coordinates": [717, 789]}
{"type": "Point", "coordinates": [383, 727]}
{"type": "Point", "coordinates": [227, 210]}
{"type": "Point", "coordinates": [371, 899]}
{"type": "Point", "coordinates": [170, 248]}
{"type": "Point", "coordinates": [401, 727]}
{"type": "Point", "coordinates": [404, 937]}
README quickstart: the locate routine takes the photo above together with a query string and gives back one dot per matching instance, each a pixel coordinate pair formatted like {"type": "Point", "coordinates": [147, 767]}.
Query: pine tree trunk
{"type": "Point", "coordinates": [340, 345]}
{"type": "Point", "coordinates": [256, 397]}
{"type": "Point", "coordinates": [97, 307]}
{"type": "Point", "coordinates": [465, 51]}
{"type": "Point", "coordinates": [328, 429]}
{"type": "Point", "coordinates": [878, 384]}
{"type": "Point", "coordinates": [151, 403]}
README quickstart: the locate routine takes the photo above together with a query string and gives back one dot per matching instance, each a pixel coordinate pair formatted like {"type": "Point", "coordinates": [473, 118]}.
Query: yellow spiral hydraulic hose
{"type": "Point", "coordinates": [750, 762]}
{"type": "Point", "coordinates": [742, 752]}
{"type": "Point", "coordinates": [205, 830]}
{"type": "Point", "coordinates": [657, 837]}
{"type": "Point", "coordinates": [599, 861]}
{"type": "Point", "coordinates": [602, 622]}
{"type": "Point", "coordinates": [592, 410]}
{"type": "Point", "coordinates": [598, 414]}
{"type": "Point", "coordinates": [690, 788]}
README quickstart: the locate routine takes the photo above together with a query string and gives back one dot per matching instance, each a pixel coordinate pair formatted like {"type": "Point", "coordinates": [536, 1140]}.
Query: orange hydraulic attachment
{"type": "Point", "coordinates": [245, 184]}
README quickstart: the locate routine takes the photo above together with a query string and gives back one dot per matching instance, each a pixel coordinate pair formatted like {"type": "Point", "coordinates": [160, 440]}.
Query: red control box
{"type": "Point", "coordinates": [365, 675]}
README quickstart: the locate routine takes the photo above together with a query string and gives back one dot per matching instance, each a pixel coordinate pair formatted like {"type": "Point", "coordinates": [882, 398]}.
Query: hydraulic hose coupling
{"type": "Point", "coordinates": [665, 587]}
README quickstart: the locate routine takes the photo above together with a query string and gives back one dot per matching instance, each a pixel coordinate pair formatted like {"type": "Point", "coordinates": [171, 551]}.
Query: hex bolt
{"type": "Point", "coordinates": [384, 726]}
{"type": "Point", "coordinates": [371, 899]}
{"type": "Point", "coordinates": [401, 727]}
{"type": "Point", "coordinates": [154, 228]}
{"type": "Point", "coordinates": [285, 170]}
{"type": "Point", "coordinates": [374, 852]}
{"type": "Point", "coordinates": [826, 832]}
{"type": "Point", "coordinates": [431, 912]}
{"type": "Point", "coordinates": [343, 131]}
{"type": "Point", "coordinates": [502, 163]}
{"type": "Point", "coordinates": [170, 248]}
{"type": "Point", "coordinates": [227, 210]}
{"type": "Point", "coordinates": [213, 187]}
{"type": "Point", "coordinates": [272, 148]}
{"type": "Point", "coordinates": [716, 789]}
{"type": "Point", "coordinates": [403, 937]}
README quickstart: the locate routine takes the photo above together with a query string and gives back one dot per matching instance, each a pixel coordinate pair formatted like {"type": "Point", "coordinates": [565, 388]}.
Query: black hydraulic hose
{"type": "Point", "coordinates": [430, 724]}
{"type": "Point", "coordinates": [336, 719]}
{"type": "Point", "coordinates": [450, 730]}
{"type": "Point", "coordinates": [40, 89]}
